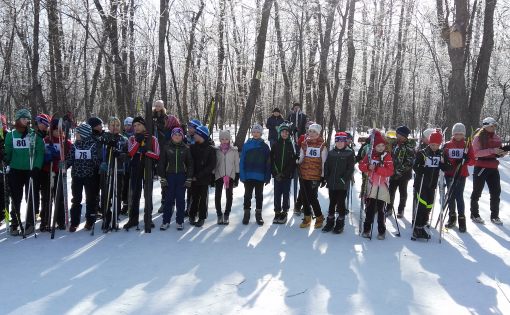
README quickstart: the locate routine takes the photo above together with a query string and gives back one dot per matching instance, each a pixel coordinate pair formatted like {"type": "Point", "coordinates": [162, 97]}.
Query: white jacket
{"type": "Point", "coordinates": [227, 164]}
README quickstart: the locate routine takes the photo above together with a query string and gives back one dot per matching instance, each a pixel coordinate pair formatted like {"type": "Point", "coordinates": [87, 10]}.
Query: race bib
{"type": "Point", "coordinates": [456, 153]}
{"type": "Point", "coordinates": [313, 152]}
{"type": "Point", "coordinates": [18, 143]}
{"type": "Point", "coordinates": [82, 155]}
{"type": "Point", "coordinates": [433, 161]}
{"type": "Point", "coordinates": [56, 146]}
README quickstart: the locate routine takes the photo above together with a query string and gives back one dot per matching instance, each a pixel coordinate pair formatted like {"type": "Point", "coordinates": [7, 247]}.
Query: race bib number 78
{"type": "Point", "coordinates": [82, 155]}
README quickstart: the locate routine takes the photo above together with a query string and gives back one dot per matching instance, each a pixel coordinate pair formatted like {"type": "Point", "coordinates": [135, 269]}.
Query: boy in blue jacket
{"type": "Point", "coordinates": [255, 170]}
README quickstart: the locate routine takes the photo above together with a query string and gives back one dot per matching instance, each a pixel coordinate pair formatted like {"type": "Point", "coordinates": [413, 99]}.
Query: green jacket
{"type": "Point", "coordinates": [17, 150]}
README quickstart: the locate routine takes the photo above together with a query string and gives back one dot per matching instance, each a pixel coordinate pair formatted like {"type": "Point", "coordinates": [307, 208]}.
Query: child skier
{"type": "Point", "coordinates": [283, 166]}
{"type": "Point", "coordinates": [226, 174]}
{"type": "Point", "coordinates": [254, 171]}
{"type": "Point", "coordinates": [379, 167]}
{"type": "Point", "coordinates": [83, 159]}
{"type": "Point", "coordinates": [460, 155]}
{"type": "Point", "coordinates": [298, 206]}
{"type": "Point", "coordinates": [338, 171]}
{"type": "Point", "coordinates": [204, 162]}
{"type": "Point", "coordinates": [192, 127]}
{"type": "Point", "coordinates": [128, 132]}
{"type": "Point", "coordinates": [24, 153]}
{"type": "Point", "coordinates": [427, 165]}
{"type": "Point", "coordinates": [138, 151]}
{"type": "Point", "coordinates": [313, 155]}
{"type": "Point", "coordinates": [41, 130]}
{"type": "Point", "coordinates": [175, 168]}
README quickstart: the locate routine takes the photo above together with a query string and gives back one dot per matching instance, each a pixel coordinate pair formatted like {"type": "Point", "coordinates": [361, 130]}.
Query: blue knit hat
{"type": "Point", "coordinates": [84, 130]}
{"type": "Point", "coordinates": [203, 132]}
{"type": "Point", "coordinates": [195, 123]}
{"type": "Point", "coordinates": [22, 113]}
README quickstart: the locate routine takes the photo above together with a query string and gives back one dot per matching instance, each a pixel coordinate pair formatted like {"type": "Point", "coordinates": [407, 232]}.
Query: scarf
{"type": "Point", "coordinates": [224, 147]}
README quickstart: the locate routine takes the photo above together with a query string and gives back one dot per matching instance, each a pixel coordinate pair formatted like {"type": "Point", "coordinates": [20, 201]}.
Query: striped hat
{"type": "Point", "coordinates": [43, 119]}
{"type": "Point", "coordinates": [84, 130]}
{"type": "Point", "coordinates": [203, 132]}
{"type": "Point", "coordinates": [178, 130]}
{"type": "Point", "coordinates": [22, 113]}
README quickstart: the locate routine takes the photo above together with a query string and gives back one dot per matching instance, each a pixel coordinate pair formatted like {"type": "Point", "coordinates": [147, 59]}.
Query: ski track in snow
{"type": "Point", "coordinates": [274, 269]}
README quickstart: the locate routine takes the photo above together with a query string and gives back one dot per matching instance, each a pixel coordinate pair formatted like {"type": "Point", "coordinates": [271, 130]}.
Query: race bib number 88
{"type": "Point", "coordinates": [18, 143]}
{"type": "Point", "coordinates": [455, 153]}
{"type": "Point", "coordinates": [313, 152]}
{"type": "Point", "coordinates": [433, 162]}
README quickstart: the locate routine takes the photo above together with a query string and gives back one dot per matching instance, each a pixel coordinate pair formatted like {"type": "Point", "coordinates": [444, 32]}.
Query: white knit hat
{"type": "Point", "coordinates": [225, 134]}
{"type": "Point", "coordinates": [315, 127]}
{"type": "Point", "coordinates": [459, 128]}
{"type": "Point", "coordinates": [427, 132]}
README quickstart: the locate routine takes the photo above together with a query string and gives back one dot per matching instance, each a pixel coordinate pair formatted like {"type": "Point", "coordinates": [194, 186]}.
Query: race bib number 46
{"type": "Point", "coordinates": [313, 152]}
{"type": "Point", "coordinates": [18, 143]}
{"type": "Point", "coordinates": [433, 161]}
{"type": "Point", "coordinates": [456, 153]}
{"type": "Point", "coordinates": [82, 155]}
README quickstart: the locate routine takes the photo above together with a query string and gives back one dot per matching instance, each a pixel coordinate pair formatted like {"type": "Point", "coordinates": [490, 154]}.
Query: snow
{"type": "Point", "coordinates": [272, 269]}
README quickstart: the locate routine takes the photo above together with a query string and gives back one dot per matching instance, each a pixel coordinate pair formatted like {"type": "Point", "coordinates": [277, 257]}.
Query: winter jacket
{"type": "Point", "coordinates": [298, 123]}
{"type": "Point", "coordinates": [283, 159]}
{"type": "Point", "coordinates": [17, 150]}
{"type": "Point", "coordinates": [272, 124]}
{"type": "Point", "coordinates": [135, 148]}
{"type": "Point", "coordinates": [339, 168]}
{"type": "Point", "coordinates": [119, 144]}
{"type": "Point", "coordinates": [377, 184]}
{"type": "Point", "coordinates": [427, 165]}
{"type": "Point", "coordinates": [255, 163]}
{"type": "Point", "coordinates": [83, 158]}
{"type": "Point", "coordinates": [175, 158]}
{"type": "Point", "coordinates": [312, 156]}
{"type": "Point", "coordinates": [454, 150]}
{"type": "Point", "coordinates": [362, 152]}
{"type": "Point", "coordinates": [55, 156]}
{"type": "Point", "coordinates": [159, 119]}
{"type": "Point", "coordinates": [204, 162]}
{"type": "Point", "coordinates": [403, 158]}
{"type": "Point", "coordinates": [227, 164]}
{"type": "Point", "coordinates": [484, 147]}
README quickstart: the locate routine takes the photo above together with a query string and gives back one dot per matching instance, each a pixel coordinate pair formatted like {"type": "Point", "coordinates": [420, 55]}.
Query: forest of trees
{"type": "Point", "coordinates": [353, 64]}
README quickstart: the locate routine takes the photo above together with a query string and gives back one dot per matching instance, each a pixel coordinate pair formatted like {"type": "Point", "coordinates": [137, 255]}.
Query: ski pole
{"type": "Point", "coordinates": [415, 214]}
{"type": "Point", "coordinates": [31, 181]}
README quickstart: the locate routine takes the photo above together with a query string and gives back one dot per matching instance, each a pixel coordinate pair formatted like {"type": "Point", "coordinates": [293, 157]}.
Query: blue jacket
{"type": "Point", "coordinates": [255, 163]}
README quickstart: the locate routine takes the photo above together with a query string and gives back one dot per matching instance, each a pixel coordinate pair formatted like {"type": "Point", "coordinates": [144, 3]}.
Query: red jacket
{"type": "Point", "coordinates": [381, 172]}
{"type": "Point", "coordinates": [133, 147]}
{"type": "Point", "coordinates": [46, 166]}
{"type": "Point", "coordinates": [486, 155]}
{"type": "Point", "coordinates": [454, 150]}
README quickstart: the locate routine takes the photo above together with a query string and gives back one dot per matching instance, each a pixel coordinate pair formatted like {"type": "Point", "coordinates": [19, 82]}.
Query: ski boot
{"type": "Point", "coordinates": [496, 221]}
{"type": "Point", "coordinates": [164, 226]}
{"type": "Point", "coordinates": [200, 223]}
{"type": "Point", "coordinates": [451, 221]}
{"type": "Point", "coordinates": [258, 217]}
{"type": "Point", "coordinates": [297, 212]}
{"type": "Point", "coordinates": [462, 224]}
{"type": "Point", "coordinates": [130, 224]}
{"type": "Point", "coordinates": [477, 219]}
{"type": "Point", "coordinates": [339, 226]}
{"type": "Point", "coordinates": [330, 224]}
{"type": "Point", "coordinates": [381, 236]}
{"type": "Point", "coordinates": [246, 216]}
{"type": "Point", "coordinates": [419, 232]}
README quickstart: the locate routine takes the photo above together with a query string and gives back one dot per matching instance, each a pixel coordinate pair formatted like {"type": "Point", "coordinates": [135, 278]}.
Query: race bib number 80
{"type": "Point", "coordinates": [313, 152]}
{"type": "Point", "coordinates": [82, 155]}
{"type": "Point", "coordinates": [433, 162]}
{"type": "Point", "coordinates": [456, 153]}
{"type": "Point", "coordinates": [18, 143]}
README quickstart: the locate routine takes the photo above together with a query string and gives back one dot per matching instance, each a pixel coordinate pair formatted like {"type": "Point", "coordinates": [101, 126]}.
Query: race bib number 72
{"type": "Point", "coordinates": [313, 152]}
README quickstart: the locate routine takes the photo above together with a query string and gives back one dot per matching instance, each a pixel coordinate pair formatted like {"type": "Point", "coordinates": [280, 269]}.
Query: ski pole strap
{"type": "Point", "coordinates": [423, 202]}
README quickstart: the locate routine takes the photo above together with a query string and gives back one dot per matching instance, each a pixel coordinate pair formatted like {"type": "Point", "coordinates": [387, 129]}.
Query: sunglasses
{"type": "Point", "coordinates": [341, 139]}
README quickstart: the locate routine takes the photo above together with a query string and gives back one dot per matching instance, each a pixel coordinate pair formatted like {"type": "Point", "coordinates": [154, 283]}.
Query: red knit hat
{"type": "Point", "coordinates": [378, 138]}
{"type": "Point", "coordinates": [436, 137]}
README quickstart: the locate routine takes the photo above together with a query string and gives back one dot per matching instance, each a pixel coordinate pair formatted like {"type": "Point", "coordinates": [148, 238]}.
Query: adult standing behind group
{"type": "Point", "coordinates": [298, 120]}
{"type": "Point", "coordinates": [273, 123]}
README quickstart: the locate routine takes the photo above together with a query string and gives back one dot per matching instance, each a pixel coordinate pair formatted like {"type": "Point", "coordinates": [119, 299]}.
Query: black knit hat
{"type": "Point", "coordinates": [94, 122]}
{"type": "Point", "coordinates": [139, 119]}
{"type": "Point", "coordinates": [276, 110]}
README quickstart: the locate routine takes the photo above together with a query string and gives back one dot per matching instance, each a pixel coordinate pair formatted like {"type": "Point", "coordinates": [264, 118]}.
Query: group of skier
{"type": "Point", "coordinates": [110, 168]}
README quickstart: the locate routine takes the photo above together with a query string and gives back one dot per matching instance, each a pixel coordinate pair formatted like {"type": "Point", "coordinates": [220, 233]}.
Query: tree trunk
{"type": "Point", "coordinates": [163, 18]}
{"type": "Point", "coordinates": [54, 34]}
{"type": "Point", "coordinates": [257, 74]}
{"type": "Point", "coordinates": [218, 95]}
{"type": "Point", "coordinates": [350, 66]}
{"type": "Point", "coordinates": [281, 52]}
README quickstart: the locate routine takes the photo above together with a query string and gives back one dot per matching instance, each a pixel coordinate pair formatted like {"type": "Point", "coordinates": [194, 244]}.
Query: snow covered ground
{"type": "Point", "coordinates": [273, 269]}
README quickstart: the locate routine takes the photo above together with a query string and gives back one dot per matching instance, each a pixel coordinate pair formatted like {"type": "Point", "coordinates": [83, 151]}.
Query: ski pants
{"type": "Point", "coordinates": [199, 197]}
{"type": "Point", "coordinates": [310, 198]}
{"type": "Point", "coordinates": [282, 194]}
{"type": "Point", "coordinates": [78, 184]}
{"type": "Point", "coordinates": [425, 205]}
{"type": "Point", "coordinates": [228, 192]}
{"type": "Point", "coordinates": [18, 181]}
{"type": "Point", "coordinates": [337, 202]}
{"type": "Point", "coordinates": [249, 186]}
{"type": "Point", "coordinates": [456, 195]}
{"type": "Point", "coordinates": [375, 206]}
{"type": "Point", "coordinates": [491, 177]}
{"type": "Point", "coordinates": [37, 181]}
{"type": "Point", "coordinates": [401, 185]}
{"type": "Point", "coordinates": [174, 194]}
{"type": "Point", "coordinates": [4, 195]}
{"type": "Point", "coordinates": [45, 196]}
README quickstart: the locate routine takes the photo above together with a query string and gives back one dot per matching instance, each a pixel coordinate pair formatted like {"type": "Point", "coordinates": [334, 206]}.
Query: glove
{"type": "Point", "coordinates": [236, 180]}
{"type": "Point", "coordinates": [163, 183]}
{"type": "Point", "coordinates": [323, 182]}
{"type": "Point", "coordinates": [139, 137]}
{"type": "Point", "coordinates": [103, 167]}
{"type": "Point", "coordinates": [187, 183]}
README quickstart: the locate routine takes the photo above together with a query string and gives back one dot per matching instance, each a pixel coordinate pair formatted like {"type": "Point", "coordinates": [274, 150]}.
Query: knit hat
{"type": "Point", "coordinates": [276, 110]}
{"type": "Point", "coordinates": [403, 131]}
{"type": "Point", "coordinates": [172, 122]}
{"type": "Point", "coordinates": [436, 137]}
{"type": "Point", "coordinates": [113, 119]}
{"type": "Point", "coordinates": [489, 121]}
{"type": "Point", "coordinates": [22, 113]}
{"type": "Point", "coordinates": [308, 124]}
{"type": "Point", "coordinates": [54, 123]}
{"type": "Point", "coordinates": [315, 127]}
{"type": "Point", "coordinates": [283, 127]}
{"type": "Point", "coordinates": [194, 123]}
{"type": "Point", "coordinates": [257, 128]}
{"type": "Point", "coordinates": [427, 132]}
{"type": "Point", "coordinates": [341, 136]}
{"type": "Point", "coordinates": [139, 119]}
{"type": "Point", "coordinates": [224, 134]}
{"type": "Point", "coordinates": [4, 122]}
{"type": "Point", "coordinates": [84, 130]}
{"type": "Point", "coordinates": [177, 130]}
{"type": "Point", "coordinates": [378, 138]}
{"type": "Point", "coordinates": [128, 121]}
{"type": "Point", "coordinates": [203, 132]}
{"type": "Point", "coordinates": [94, 122]}
{"type": "Point", "coordinates": [43, 119]}
{"type": "Point", "coordinates": [459, 128]}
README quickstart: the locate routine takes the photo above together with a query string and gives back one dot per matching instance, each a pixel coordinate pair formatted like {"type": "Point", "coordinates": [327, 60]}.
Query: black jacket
{"type": "Point", "coordinates": [298, 125]}
{"type": "Point", "coordinates": [403, 157]}
{"type": "Point", "coordinates": [283, 159]}
{"type": "Point", "coordinates": [272, 124]}
{"type": "Point", "coordinates": [175, 158]}
{"type": "Point", "coordinates": [339, 168]}
{"type": "Point", "coordinates": [427, 165]}
{"type": "Point", "coordinates": [204, 162]}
